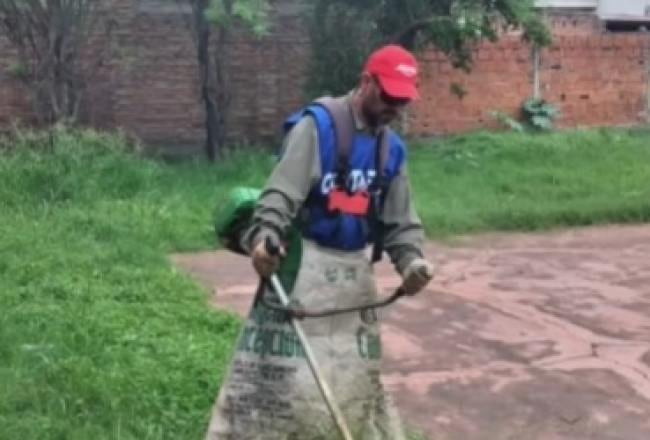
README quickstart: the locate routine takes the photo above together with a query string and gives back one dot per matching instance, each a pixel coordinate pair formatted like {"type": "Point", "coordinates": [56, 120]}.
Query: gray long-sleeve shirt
{"type": "Point", "coordinates": [300, 169]}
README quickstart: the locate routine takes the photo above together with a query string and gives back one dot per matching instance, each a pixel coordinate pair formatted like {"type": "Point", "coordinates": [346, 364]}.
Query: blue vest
{"type": "Point", "coordinates": [343, 231]}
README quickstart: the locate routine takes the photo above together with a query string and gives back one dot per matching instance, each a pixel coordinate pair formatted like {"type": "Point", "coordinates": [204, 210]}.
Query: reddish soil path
{"type": "Point", "coordinates": [521, 336]}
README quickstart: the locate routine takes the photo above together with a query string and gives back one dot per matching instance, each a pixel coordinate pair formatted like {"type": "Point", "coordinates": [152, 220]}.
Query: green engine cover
{"type": "Point", "coordinates": [233, 217]}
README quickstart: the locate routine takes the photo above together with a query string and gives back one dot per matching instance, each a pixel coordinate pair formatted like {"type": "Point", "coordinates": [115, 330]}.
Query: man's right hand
{"type": "Point", "coordinates": [263, 262]}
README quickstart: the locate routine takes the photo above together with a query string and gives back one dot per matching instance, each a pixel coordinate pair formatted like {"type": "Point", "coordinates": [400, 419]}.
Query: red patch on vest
{"type": "Point", "coordinates": [355, 204]}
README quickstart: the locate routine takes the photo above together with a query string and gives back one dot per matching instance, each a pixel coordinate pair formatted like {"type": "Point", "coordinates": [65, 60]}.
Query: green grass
{"type": "Point", "coordinates": [100, 338]}
{"type": "Point", "coordinates": [488, 182]}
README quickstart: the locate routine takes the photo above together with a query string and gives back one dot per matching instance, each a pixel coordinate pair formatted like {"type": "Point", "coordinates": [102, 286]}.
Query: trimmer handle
{"type": "Point", "coordinates": [271, 246]}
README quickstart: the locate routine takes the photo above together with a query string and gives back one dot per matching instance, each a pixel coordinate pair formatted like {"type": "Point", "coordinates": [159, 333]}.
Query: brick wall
{"type": "Point", "coordinates": [148, 84]}
{"type": "Point", "coordinates": [156, 91]}
{"type": "Point", "coordinates": [14, 104]}
{"type": "Point", "coordinates": [595, 80]}
{"type": "Point", "coordinates": [500, 78]}
{"type": "Point", "coordinates": [268, 78]}
{"type": "Point", "coordinates": [154, 75]}
{"type": "Point", "coordinates": [598, 80]}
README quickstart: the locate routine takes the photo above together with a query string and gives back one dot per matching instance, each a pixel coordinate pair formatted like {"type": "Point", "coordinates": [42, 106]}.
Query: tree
{"type": "Point", "coordinates": [50, 36]}
{"type": "Point", "coordinates": [212, 23]}
{"type": "Point", "coordinates": [453, 26]}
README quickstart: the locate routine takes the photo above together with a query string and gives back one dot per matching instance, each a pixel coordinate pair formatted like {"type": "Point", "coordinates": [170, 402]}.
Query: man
{"type": "Point", "coordinates": [340, 198]}
{"type": "Point", "coordinates": [388, 84]}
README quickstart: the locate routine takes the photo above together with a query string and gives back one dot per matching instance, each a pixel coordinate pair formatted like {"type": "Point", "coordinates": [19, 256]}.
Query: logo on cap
{"type": "Point", "coordinates": [407, 70]}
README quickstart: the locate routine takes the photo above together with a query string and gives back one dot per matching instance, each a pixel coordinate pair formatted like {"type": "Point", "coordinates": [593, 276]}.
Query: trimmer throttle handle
{"type": "Point", "coordinates": [272, 246]}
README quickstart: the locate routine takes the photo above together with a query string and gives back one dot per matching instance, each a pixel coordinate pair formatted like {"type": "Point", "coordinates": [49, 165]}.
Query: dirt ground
{"type": "Point", "coordinates": [520, 336]}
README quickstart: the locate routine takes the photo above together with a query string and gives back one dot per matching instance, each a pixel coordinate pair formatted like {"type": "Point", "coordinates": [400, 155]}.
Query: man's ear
{"type": "Point", "coordinates": [365, 82]}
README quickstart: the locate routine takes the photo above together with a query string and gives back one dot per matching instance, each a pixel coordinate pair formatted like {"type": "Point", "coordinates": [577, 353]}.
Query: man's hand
{"type": "Point", "coordinates": [265, 263]}
{"type": "Point", "coordinates": [416, 276]}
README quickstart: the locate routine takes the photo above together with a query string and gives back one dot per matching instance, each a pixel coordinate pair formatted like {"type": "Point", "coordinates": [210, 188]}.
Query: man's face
{"type": "Point", "coordinates": [377, 106]}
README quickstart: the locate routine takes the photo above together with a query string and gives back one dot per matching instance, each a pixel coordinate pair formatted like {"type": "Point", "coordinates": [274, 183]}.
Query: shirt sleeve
{"type": "Point", "coordinates": [288, 186]}
{"type": "Point", "coordinates": [404, 235]}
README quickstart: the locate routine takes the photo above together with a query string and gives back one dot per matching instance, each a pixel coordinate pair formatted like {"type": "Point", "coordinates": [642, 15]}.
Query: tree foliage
{"type": "Point", "coordinates": [50, 37]}
{"type": "Point", "coordinates": [345, 31]}
{"type": "Point", "coordinates": [252, 14]}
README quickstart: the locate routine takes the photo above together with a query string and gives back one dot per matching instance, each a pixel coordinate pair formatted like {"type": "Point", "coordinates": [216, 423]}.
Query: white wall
{"type": "Point", "coordinates": [566, 3]}
{"type": "Point", "coordinates": [632, 9]}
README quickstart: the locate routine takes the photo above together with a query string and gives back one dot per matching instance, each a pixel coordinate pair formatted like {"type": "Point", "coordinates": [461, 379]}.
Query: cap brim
{"type": "Point", "coordinates": [398, 88]}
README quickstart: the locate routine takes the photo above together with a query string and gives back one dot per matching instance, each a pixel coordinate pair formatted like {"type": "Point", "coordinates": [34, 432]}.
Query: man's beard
{"type": "Point", "coordinates": [377, 119]}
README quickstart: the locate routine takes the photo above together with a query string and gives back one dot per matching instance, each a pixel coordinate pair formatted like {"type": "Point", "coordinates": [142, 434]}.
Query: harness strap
{"type": "Point", "coordinates": [378, 195]}
{"type": "Point", "coordinates": [344, 132]}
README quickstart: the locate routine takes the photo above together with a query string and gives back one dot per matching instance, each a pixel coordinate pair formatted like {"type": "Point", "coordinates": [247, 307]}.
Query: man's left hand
{"type": "Point", "coordinates": [416, 276]}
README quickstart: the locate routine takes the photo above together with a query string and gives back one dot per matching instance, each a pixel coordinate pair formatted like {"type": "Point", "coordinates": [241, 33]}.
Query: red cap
{"type": "Point", "coordinates": [397, 71]}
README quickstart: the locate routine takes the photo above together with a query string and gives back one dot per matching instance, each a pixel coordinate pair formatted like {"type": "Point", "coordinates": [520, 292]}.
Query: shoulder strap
{"type": "Point", "coordinates": [384, 150]}
{"type": "Point", "coordinates": [344, 129]}
{"type": "Point", "coordinates": [379, 193]}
